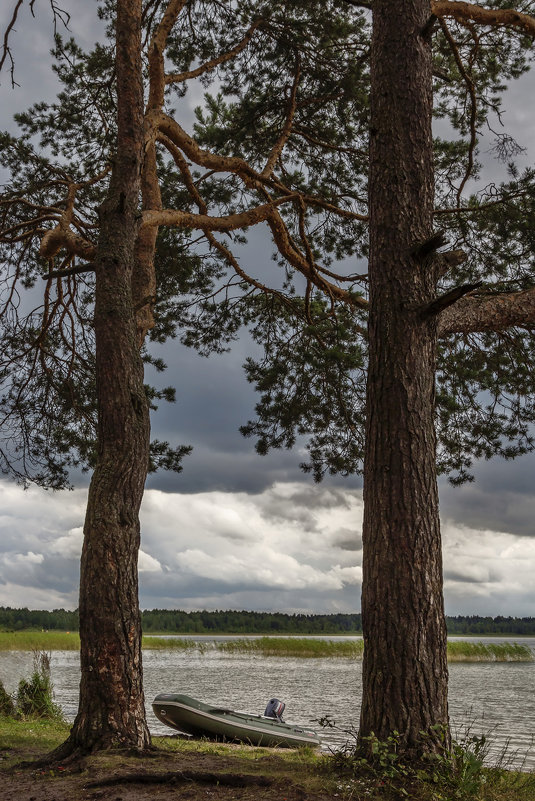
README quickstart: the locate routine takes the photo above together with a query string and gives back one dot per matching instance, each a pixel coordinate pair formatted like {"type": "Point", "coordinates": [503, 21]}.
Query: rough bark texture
{"type": "Point", "coordinates": [405, 668]}
{"type": "Point", "coordinates": [111, 708]}
{"type": "Point", "coordinates": [489, 313]}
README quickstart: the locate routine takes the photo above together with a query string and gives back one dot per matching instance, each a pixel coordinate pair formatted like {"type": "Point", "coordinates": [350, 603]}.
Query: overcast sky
{"type": "Point", "coordinates": [237, 531]}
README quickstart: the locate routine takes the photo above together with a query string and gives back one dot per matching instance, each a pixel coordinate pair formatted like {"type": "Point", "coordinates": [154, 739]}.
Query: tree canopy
{"type": "Point", "coordinates": [280, 138]}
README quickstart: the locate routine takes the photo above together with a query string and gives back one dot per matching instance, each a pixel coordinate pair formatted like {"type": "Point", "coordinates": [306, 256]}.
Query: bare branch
{"type": "Point", "coordinates": [449, 298]}
{"type": "Point", "coordinates": [156, 51]}
{"type": "Point", "coordinates": [76, 270]}
{"type": "Point", "coordinates": [297, 259]}
{"type": "Point", "coordinates": [57, 13]}
{"type": "Point", "coordinates": [480, 206]}
{"type": "Point", "coordinates": [473, 108]}
{"type": "Point", "coordinates": [6, 52]}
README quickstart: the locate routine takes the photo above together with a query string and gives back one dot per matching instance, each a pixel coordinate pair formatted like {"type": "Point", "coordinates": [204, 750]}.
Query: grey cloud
{"type": "Point", "coordinates": [502, 498]}
{"type": "Point", "coordinates": [348, 540]}
{"type": "Point", "coordinates": [470, 577]}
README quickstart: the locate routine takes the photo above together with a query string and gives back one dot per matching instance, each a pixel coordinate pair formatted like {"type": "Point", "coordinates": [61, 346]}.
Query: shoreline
{"type": "Point", "coordinates": [224, 771]}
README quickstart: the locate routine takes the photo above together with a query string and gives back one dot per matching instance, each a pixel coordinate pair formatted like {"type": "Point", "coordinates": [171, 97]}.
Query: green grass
{"type": "Point", "coordinates": [27, 734]}
{"type": "Point", "coordinates": [458, 651]}
{"type": "Point", "coordinates": [316, 774]}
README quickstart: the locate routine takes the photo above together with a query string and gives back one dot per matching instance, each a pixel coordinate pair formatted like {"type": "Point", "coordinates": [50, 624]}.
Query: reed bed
{"type": "Point", "coordinates": [294, 646]}
{"type": "Point", "coordinates": [152, 643]}
{"type": "Point", "coordinates": [305, 647]}
{"type": "Point", "coordinates": [70, 641]}
{"type": "Point", "coordinates": [39, 641]}
{"type": "Point", "coordinates": [461, 651]}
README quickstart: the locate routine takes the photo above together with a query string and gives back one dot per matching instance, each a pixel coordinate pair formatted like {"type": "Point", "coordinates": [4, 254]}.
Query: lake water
{"type": "Point", "coordinates": [496, 699]}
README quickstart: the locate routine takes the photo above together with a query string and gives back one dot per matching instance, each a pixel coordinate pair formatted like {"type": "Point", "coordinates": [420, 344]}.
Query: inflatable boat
{"type": "Point", "coordinates": [190, 716]}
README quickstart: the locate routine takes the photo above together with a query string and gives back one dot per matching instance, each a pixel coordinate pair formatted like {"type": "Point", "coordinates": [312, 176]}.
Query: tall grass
{"type": "Point", "coordinates": [458, 651]}
{"type": "Point", "coordinates": [39, 641]}
{"type": "Point", "coordinates": [294, 646]}
{"type": "Point", "coordinates": [35, 695]}
{"type": "Point", "coordinates": [177, 643]}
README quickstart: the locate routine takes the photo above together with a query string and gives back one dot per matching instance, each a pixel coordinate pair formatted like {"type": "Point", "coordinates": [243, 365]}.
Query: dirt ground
{"type": "Point", "coordinates": [164, 776]}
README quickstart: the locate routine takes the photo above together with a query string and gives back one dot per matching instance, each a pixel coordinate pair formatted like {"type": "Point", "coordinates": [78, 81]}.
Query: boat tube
{"type": "Point", "coordinates": [189, 716]}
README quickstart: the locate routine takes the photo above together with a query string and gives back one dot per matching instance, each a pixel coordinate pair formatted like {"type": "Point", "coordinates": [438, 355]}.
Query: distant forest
{"type": "Point", "coordinates": [170, 621]}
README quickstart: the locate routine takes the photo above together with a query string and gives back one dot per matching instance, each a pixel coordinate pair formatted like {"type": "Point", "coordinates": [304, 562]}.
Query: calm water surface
{"type": "Point", "coordinates": [497, 699]}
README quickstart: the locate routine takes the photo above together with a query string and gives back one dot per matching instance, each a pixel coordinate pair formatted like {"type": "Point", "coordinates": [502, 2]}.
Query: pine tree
{"type": "Point", "coordinates": [319, 128]}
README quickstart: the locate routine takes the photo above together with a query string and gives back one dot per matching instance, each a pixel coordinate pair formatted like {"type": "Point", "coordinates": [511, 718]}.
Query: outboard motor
{"type": "Point", "coordinates": [274, 709]}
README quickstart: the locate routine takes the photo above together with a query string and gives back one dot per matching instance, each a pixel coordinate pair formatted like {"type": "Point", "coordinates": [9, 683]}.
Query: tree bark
{"type": "Point", "coordinates": [111, 708]}
{"type": "Point", "coordinates": [405, 668]}
{"type": "Point", "coordinates": [497, 312]}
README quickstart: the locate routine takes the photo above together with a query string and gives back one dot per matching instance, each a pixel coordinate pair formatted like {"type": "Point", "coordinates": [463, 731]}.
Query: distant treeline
{"type": "Point", "coordinates": [173, 621]}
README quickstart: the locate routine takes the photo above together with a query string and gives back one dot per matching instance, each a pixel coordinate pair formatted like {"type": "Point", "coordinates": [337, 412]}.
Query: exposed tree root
{"type": "Point", "coordinates": [182, 776]}
{"type": "Point", "coordinates": [70, 755]}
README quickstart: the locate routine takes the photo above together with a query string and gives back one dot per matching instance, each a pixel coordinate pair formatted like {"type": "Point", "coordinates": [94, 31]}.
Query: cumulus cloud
{"type": "Point", "coordinates": [241, 549]}
{"type": "Point", "coordinates": [488, 572]}
{"type": "Point", "coordinates": [148, 564]}
{"type": "Point", "coordinates": [293, 547]}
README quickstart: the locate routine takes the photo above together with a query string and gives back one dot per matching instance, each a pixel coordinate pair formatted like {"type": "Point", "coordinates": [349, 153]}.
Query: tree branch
{"type": "Point", "coordinates": [448, 299]}
{"type": "Point", "coordinates": [79, 268]}
{"type": "Point", "coordinates": [465, 12]}
{"type": "Point", "coordinates": [495, 312]}
{"type": "Point", "coordinates": [156, 51]}
{"type": "Point", "coordinates": [279, 144]}
{"type": "Point", "coordinates": [184, 219]}
{"type": "Point", "coordinates": [6, 51]}
{"type": "Point", "coordinates": [473, 107]}
{"type": "Point", "coordinates": [178, 77]}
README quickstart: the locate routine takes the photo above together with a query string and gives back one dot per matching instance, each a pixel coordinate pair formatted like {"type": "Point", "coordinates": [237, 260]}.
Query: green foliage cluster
{"type": "Point", "coordinates": [474, 624]}
{"type": "Point", "coordinates": [30, 640]}
{"type": "Point", "coordinates": [7, 705]}
{"type": "Point", "coordinates": [285, 646]}
{"type": "Point", "coordinates": [34, 696]}
{"type": "Point", "coordinates": [463, 772]}
{"type": "Point", "coordinates": [13, 619]}
{"type": "Point", "coordinates": [463, 651]}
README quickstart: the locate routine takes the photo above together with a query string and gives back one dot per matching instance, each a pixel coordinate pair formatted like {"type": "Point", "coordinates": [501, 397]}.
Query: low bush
{"type": "Point", "coordinates": [35, 696]}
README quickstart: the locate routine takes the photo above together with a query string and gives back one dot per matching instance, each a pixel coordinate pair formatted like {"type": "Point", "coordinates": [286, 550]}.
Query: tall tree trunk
{"type": "Point", "coordinates": [405, 667]}
{"type": "Point", "coordinates": [111, 708]}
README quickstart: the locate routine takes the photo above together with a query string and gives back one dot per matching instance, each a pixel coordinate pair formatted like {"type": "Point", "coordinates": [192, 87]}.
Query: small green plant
{"type": "Point", "coordinates": [7, 707]}
{"type": "Point", "coordinates": [35, 695]}
{"type": "Point", "coordinates": [458, 772]}
{"type": "Point", "coordinates": [383, 769]}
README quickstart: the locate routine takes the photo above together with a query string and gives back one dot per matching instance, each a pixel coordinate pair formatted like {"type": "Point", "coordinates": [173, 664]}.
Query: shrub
{"type": "Point", "coordinates": [35, 695]}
